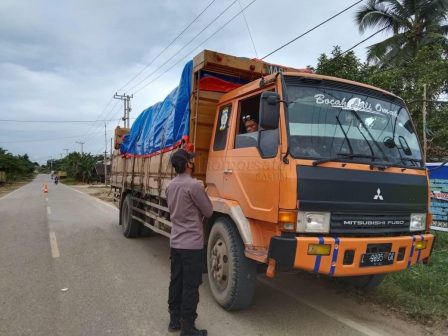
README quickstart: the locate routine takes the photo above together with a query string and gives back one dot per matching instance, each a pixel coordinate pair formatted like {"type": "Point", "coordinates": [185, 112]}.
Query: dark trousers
{"type": "Point", "coordinates": [186, 276]}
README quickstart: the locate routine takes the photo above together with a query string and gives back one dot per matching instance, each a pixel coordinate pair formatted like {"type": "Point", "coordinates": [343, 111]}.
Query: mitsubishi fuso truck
{"type": "Point", "coordinates": [332, 181]}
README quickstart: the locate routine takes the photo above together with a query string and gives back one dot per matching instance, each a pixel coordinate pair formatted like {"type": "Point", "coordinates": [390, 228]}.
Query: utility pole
{"type": "Point", "coordinates": [82, 146]}
{"type": "Point", "coordinates": [111, 145]}
{"type": "Point", "coordinates": [66, 151]}
{"type": "Point", "coordinates": [127, 106]}
{"type": "Point", "coordinates": [105, 153]}
{"type": "Point", "coordinates": [424, 122]}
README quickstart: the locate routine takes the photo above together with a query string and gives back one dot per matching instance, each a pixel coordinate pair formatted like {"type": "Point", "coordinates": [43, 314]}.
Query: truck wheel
{"type": "Point", "coordinates": [130, 227]}
{"type": "Point", "coordinates": [231, 275]}
{"type": "Point", "coordinates": [365, 281]}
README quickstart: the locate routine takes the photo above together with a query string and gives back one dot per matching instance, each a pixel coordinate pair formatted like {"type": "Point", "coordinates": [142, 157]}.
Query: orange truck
{"type": "Point", "coordinates": [332, 181]}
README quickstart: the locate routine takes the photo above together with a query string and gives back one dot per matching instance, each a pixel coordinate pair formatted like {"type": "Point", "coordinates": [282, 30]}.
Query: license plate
{"type": "Point", "coordinates": [377, 259]}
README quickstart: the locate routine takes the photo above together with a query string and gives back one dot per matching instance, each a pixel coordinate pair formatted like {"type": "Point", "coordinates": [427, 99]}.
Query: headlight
{"type": "Point", "coordinates": [418, 222]}
{"type": "Point", "coordinates": [313, 222]}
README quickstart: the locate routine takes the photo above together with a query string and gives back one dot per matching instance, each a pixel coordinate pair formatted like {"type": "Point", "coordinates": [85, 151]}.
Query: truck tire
{"type": "Point", "coordinates": [365, 281]}
{"type": "Point", "coordinates": [232, 276]}
{"type": "Point", "coordinates": [130, 227]}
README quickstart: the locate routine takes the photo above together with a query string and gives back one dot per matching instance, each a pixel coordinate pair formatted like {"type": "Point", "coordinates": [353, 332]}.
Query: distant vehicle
{"type": "Point", "coordinates": [332, 182]}
{"type": "Point", "coordinates": [56, 179]}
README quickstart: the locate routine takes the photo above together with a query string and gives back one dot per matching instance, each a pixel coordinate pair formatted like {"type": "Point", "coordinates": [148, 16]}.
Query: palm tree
{"type": "Point", "coordinates": [415, 24]}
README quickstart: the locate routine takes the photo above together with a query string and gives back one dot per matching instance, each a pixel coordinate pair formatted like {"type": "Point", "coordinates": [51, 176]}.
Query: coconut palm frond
{"type": "Point", "coordinates": [373, 15]}
{"type": "Point", "coordinates": [414, 23]}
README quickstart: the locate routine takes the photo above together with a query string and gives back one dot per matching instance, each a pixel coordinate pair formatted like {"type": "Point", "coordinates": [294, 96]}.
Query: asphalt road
{"type": "Point", "coordinates": [66, 269]}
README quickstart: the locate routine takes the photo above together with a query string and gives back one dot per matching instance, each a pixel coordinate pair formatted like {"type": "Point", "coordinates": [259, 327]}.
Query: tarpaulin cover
{"type": "Point", "coordinates": [163, 125]}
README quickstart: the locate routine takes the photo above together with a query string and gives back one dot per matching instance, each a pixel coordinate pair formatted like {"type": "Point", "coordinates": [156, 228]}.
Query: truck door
{"type": "Point", "coordinates": [250, 179]}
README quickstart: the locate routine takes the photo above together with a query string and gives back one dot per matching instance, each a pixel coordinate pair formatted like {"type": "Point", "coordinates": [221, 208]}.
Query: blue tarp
{"type": "Point", "coordinates": [164, 124]}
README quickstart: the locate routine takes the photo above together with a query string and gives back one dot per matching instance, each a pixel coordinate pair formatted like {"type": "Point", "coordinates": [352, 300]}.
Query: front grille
{"type": "Point", "coordinates": [369, 223]}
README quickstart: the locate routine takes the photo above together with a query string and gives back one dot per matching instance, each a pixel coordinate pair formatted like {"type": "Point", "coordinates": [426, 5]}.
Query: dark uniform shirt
{"type": "Point", "coordinates": [188, 204]}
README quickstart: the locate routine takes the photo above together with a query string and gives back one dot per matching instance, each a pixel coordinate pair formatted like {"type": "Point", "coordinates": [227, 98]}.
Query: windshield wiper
{"type": "Point", "coordinates": [345, 135]}
{"type": "Point", "coordinates": [414, 161]}
{"type": "Point", "coordinates": [370, 135]}
{"type": "Point", "coordinates": [344, 157]}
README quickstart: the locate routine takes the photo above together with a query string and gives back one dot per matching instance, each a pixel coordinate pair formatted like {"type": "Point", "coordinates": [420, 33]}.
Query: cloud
{"type": "Point", "coordinates": [64, 60]}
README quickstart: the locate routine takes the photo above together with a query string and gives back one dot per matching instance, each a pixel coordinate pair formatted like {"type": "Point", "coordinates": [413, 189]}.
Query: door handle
{"type": "Point", "coordinates": [228, 171]}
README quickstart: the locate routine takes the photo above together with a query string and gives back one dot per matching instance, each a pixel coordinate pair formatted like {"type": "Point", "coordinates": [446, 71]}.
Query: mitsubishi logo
{"type": "Point", "coordinates": [378, 195]}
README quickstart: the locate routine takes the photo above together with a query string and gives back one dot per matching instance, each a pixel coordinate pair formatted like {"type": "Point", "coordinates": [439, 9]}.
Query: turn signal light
{"type": "Point", "coordinates": [287, 220]}
{"type": "Point", "coordinates": [287, 217]}
{"type": "Point", "coordinates": [421, 245]}
{"type": "Point", "coordinates": [319, 249]}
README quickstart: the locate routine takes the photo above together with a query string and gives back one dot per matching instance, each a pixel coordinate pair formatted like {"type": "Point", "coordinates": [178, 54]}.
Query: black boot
{"type": "Point", "coordinates": [174, 322]}
{"type": "Point", "coordinates": [188, 329]}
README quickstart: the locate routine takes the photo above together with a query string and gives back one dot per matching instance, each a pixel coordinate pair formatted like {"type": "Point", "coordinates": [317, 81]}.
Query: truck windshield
{"type": "Point", "coordinates": [343, 122]}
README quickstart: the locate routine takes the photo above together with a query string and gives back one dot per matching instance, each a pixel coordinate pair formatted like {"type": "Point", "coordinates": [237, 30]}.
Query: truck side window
{"type": "Point", "coordinates": [247, 135]}
{"type": "Point", "coordinates": [222, 128]}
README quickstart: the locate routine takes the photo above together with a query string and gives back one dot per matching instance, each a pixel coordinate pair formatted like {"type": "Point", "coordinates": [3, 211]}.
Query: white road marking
{"type": "Point", "coordinates": [46, 198]}
{"type": "Point", "coordinates": [338, 317]}
{"type": "Point", "coordinates": [96, 199]}
{"type": "Point", "coordinates": [48, 211]}
{"type": "Point", "coordinates": [54, 246]}
{"type": "Point", "coordinates": [13, 192]}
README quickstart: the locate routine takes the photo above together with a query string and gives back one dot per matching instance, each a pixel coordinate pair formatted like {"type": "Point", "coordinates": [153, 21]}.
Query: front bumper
{"type": "Point", "coordinates": [292, 252]}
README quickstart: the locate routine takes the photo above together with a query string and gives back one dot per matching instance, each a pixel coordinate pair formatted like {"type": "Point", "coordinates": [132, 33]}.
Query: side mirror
{"type": "Point", "coordinates": [269, 110]}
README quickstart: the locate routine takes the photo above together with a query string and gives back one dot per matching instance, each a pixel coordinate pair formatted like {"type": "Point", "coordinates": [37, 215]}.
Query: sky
{"type": "Point", "coordinates": [64, 60]}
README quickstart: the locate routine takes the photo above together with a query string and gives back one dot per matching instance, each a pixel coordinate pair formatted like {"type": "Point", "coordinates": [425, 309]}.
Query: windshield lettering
{"type": "Point", "coordinates": [347, 124]}
{"type": "Point", "coordinates": [354, 104]}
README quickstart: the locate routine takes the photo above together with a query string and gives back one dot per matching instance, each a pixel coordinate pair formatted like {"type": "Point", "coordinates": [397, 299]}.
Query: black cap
{"type": "Point", "coordinates": [180, 158]}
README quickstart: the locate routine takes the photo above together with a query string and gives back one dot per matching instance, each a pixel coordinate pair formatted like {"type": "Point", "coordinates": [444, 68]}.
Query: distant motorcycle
{"type": "Point", "coordinates": [56, 180]}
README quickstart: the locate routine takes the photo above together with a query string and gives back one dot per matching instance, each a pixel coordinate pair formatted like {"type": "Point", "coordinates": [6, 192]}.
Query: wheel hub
{"type": "Point", "coordinates": [219, 263]}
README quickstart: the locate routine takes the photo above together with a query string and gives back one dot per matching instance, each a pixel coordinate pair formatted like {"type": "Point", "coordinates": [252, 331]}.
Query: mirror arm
{"type": "Point", "coordinates": [285, 157]}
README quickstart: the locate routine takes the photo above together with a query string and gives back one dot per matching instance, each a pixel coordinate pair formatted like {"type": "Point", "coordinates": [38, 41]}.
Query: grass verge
{"type": "Point", "coordinates": [70, 181]}
{"type": "Point", "coordinates": [422, 291]}
{"type": "Point", "coordinates": [6, 188]}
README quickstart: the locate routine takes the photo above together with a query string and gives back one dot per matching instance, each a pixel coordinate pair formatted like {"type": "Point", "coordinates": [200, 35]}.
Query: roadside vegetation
{"type": "Point", "coordinates": [15, 171]}
{"type": "Point", "coordinates": [421, 291]}
{"type": "Point", "coordinates": [80, 168]}
{"type": "Point", "coordinates": [415, 54]}
{"type": "Point", "coordinates": [15, 168]}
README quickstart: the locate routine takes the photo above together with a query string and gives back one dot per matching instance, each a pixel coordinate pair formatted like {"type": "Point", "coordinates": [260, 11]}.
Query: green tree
{"type": "Point", "coordinates": [16, 167]}
{"type": "Point", "coordinates": [429, 66]}
{"type": "Point", "coordinates": [415, 24]}
{"type": "Point", "coordinates": [79, 166]}
{"type": "Point", "coordinates": [346, 66]}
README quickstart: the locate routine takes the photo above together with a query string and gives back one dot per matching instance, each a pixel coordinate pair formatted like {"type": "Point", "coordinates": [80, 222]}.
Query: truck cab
{"type": "Point", "coordinates": [332, 182]}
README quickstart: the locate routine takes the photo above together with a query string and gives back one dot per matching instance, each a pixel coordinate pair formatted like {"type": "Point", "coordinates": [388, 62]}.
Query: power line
{"type": "Point", "coordinates": [92, 128]}
{"type": "Point", "coordinates": [357, 44]}
{"type": "Point", "coordinates": [310, 30]}
{"type": "Point", "coordinates": [192, 50]}
{"type": "Point", "coordinates": [95, 131]}
{"type": "Point", "coordinates": [169, 45]}
{"type": "Point", "coordinates": [185, 45]}
{"type": "Point", "coordinates": [55, 121]}
{"type": "Point", "coordinates": [45, 140]}
{"type": "Point", "coordinates": [248, 29]}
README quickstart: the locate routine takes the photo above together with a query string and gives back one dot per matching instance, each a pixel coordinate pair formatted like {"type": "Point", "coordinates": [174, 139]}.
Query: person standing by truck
{"type": "Point", "coordinates": [188, 204]}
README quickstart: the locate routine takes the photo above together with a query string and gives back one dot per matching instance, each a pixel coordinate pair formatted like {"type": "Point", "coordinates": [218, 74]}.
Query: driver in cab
{"type": "Point", "coordinates": [250, 124]}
